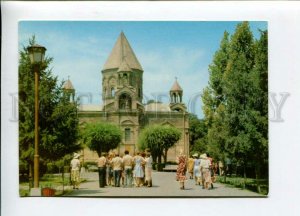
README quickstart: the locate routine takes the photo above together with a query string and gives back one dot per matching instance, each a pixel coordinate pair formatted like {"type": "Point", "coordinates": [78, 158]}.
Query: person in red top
{"type": "Point", "coordinates": [181, 170]}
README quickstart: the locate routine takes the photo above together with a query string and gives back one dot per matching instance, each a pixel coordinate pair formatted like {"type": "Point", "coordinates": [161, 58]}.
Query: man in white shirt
{"type": "Point", "coordinates": [101, 162]}
{"type": "Point", "coordinates": [75, 167]}
{"type": "Point", "coordinates": [128, 164]}
{"type": "Point", "coordinates": [117, 164]}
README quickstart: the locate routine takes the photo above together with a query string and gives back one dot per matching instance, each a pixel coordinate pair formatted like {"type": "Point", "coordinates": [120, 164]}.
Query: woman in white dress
{"type": "Point", "coordinates": [138, 169]}
{"type": "Point", "coordinates": [197, 172]}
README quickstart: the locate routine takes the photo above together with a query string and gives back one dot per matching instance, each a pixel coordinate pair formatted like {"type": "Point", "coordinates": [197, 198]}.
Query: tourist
{"type": "Point", "coordinates": [191, 167]}
{"type": "Point", "coordinates": [109, 170]}
{"type": "Point", "coordinates": [197, 172]}
{"type": "Point", "coordinates": [75, 167]}
{"type": "Point", "coordinates": [138, 169]}
{"type": "Point", "coordinates": [101, 162]}
{"type": "Point", "coordinates": [143, 155]}
{"type": "Point", "coordinates": [117, 164]}
{"type": "Point", "coordinates": [181, 169]}
{"type": "Point", "coordinates": [128, 164]}
{"type": "Point", "coordinates": [221, 168]}
{"type": "Point", "coordinates": [148, 169]}
{"type": "Point", "coordinates": [122, 178]}
{"type": "Point", "coordinates": [205, 169]}
{"type": "Point", "coordinates": [211, 169]}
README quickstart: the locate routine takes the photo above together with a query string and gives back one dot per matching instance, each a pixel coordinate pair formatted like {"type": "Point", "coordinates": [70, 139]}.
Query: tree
{"type": "Point", "coordinates": [102, 137]}
{"type": "Point", "coordinates": [238, 88]}
{"type": "Point", "coordinates": [236, 100]}
{"type": "Point", "coordinates": [159, 138]}
{"type": "Point", "coordinates": [214, 100]}
{"type": "Point", "coordinates": [198, 134]}
{"type": "Point", "coordinates": [58, 121]}
{"type": "Point", "coordinates": [259, 106]}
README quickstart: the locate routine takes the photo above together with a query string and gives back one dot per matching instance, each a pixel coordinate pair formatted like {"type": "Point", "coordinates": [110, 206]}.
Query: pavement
{"type": "Point", "coordinates": [164, 185]}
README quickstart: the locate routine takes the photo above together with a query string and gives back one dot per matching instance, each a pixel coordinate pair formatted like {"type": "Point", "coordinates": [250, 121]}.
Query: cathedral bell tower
{"type": "Point", "coordinates": [176, 94]}
{"type": "Point", "coordinates": [69, 90]}
{"type": "Point", "coordinates": [122, 78]}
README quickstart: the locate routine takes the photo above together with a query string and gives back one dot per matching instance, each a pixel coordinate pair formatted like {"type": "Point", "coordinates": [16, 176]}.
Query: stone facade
{"type": "Point", "coordinates": [122, 87]}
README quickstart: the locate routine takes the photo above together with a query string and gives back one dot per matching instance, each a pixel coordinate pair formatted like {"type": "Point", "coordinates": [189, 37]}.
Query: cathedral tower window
{"type": "Point", "coordinates": [112, 92]}
{"type": "Point", "coordinates": [125, 101]}
{"type": "Point", "coordinates": [127, 134]}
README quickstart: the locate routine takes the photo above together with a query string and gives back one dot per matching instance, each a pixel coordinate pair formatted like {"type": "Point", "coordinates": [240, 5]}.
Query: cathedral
{"type": "Point", "coordinates": [122, 96]}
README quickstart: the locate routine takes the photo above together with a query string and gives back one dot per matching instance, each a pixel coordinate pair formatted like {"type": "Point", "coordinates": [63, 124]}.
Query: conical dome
{"type": "Point", "coordinates": [124, 66]}
{"type": "Point", "coordinates": [176, 86]}
{"type": "Point", "coordinates": [122, 51]}
{"type": "Point", "coordinates": [68, 85]}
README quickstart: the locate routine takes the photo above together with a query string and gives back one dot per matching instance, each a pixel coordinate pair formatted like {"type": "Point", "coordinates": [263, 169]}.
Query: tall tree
{"type": "Point", "coordinates": [58, 121]}
{"type": "Point", "coordinates": [214, 101]}
{"type": "Point", "coordinates": [258, 103]}
{"type": "Point", "coordinates": [102, 137]}
{"type": "Point", "coordinates": [236, 100]}
{"type": "Point", "coordinates": [238, 87]}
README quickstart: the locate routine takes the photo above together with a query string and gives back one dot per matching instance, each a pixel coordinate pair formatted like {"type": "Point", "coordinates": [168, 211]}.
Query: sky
{"type": "Point", "coordinates": [164, 49]}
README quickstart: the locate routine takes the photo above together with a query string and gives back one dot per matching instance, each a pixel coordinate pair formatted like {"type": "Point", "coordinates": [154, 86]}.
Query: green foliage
{"type": "Point", "coordinates": [102, 137]}
{"type": "Point", "coordinates": [250, 184]}
{"type": "Point", "coordinates": [158, 138]}
{"type": "Point", "coordinates": [198, 134]}
{"type": "Point", "coordinates": [58, 121]}
{"type": "Point", "coordinates": [236, 99]}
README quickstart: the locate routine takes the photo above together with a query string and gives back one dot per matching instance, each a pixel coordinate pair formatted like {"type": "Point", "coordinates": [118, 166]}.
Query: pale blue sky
{"type": "Point", "coordinates": [164, 49]}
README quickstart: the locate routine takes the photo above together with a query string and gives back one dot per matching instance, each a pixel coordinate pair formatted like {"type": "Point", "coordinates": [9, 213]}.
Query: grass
{"type": "Point", "coordinates": [250, 183]}
{"type": "Point", "coordinates": [54, 181]}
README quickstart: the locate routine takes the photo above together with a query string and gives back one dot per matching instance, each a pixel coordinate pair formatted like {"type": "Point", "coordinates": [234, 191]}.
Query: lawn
{"type": "Point", "coordinates": [54, 181]}
{"type": "Point", "coordinates": [250, 183]}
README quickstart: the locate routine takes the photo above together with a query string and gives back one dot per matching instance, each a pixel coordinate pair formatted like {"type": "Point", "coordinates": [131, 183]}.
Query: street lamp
{"type": "Point", "coordinates": [36, 55]}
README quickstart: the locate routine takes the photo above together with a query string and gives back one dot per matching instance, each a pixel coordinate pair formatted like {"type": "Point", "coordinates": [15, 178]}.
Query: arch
{"type": "Point", "coordinates": [174, 97]}
{"type": "Point", "coordinates": [127, 122]}
{"type": "Point", "coordinates": [112, 80]}
{"type": "Point", "coordinates": [127, 134]}
{"type": "Point", "coordinates": [167, 123]}
{"type": "Point", "coordinates": [112, 91]}
{"type": "Point", "coordinates": [178, 109]}
{"type": "Point", "coordinates": [125, 101]}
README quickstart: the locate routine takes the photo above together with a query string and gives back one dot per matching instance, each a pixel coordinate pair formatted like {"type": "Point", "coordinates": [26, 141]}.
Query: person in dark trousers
{"type": "Point", "coordinates": [117, 164]}
{"type": "Point", "coordinates": [211, 168]}
{"type": "Point", "coordinates": [101, 162]}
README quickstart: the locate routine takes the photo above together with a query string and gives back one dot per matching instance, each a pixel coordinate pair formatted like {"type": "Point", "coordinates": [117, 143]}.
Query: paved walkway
{"type": "Point", "coordinates": [164, 185]}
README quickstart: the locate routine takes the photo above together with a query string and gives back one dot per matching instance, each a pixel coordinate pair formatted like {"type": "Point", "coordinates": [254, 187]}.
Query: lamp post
{"type": "Point", "coordinates": [36, 55]}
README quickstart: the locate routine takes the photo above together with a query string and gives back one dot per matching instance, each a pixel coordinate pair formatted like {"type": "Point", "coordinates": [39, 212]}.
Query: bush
{"type": "Point", "coordinates": [154, 166]}
{"type": "Point", "coordinates": [159, 167]}
{"type": "Point", "coordinates": [250, 183]}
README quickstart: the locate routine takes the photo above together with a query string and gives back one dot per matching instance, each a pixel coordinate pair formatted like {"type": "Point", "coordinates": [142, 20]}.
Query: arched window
{"type": "Point", "coordinates": [174, 98]}
{"type": "Point", "coordinates": [124, 101]}
{"type": "Point", "coordinates": [127, 134]}
{"type": "Point", "coordinates": [112, 92]}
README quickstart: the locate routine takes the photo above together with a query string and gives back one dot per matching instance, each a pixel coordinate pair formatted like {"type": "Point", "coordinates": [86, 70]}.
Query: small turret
{"type": "Point", "coordinates": [176, 94]}
{"type": "Point", "coordinates": [69, 89]}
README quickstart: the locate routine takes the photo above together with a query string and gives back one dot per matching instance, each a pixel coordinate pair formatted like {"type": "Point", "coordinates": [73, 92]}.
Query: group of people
{"type": "Point", "coordinates": [127, 170]}
{"type": "Point", "coordinates": [200, 168]}
{"type": "Point", "coordinates": [137, 170]}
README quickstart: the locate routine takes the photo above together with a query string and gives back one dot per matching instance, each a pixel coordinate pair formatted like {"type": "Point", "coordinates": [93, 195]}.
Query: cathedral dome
{"type": "Point", "coordinates": [121, 52]}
